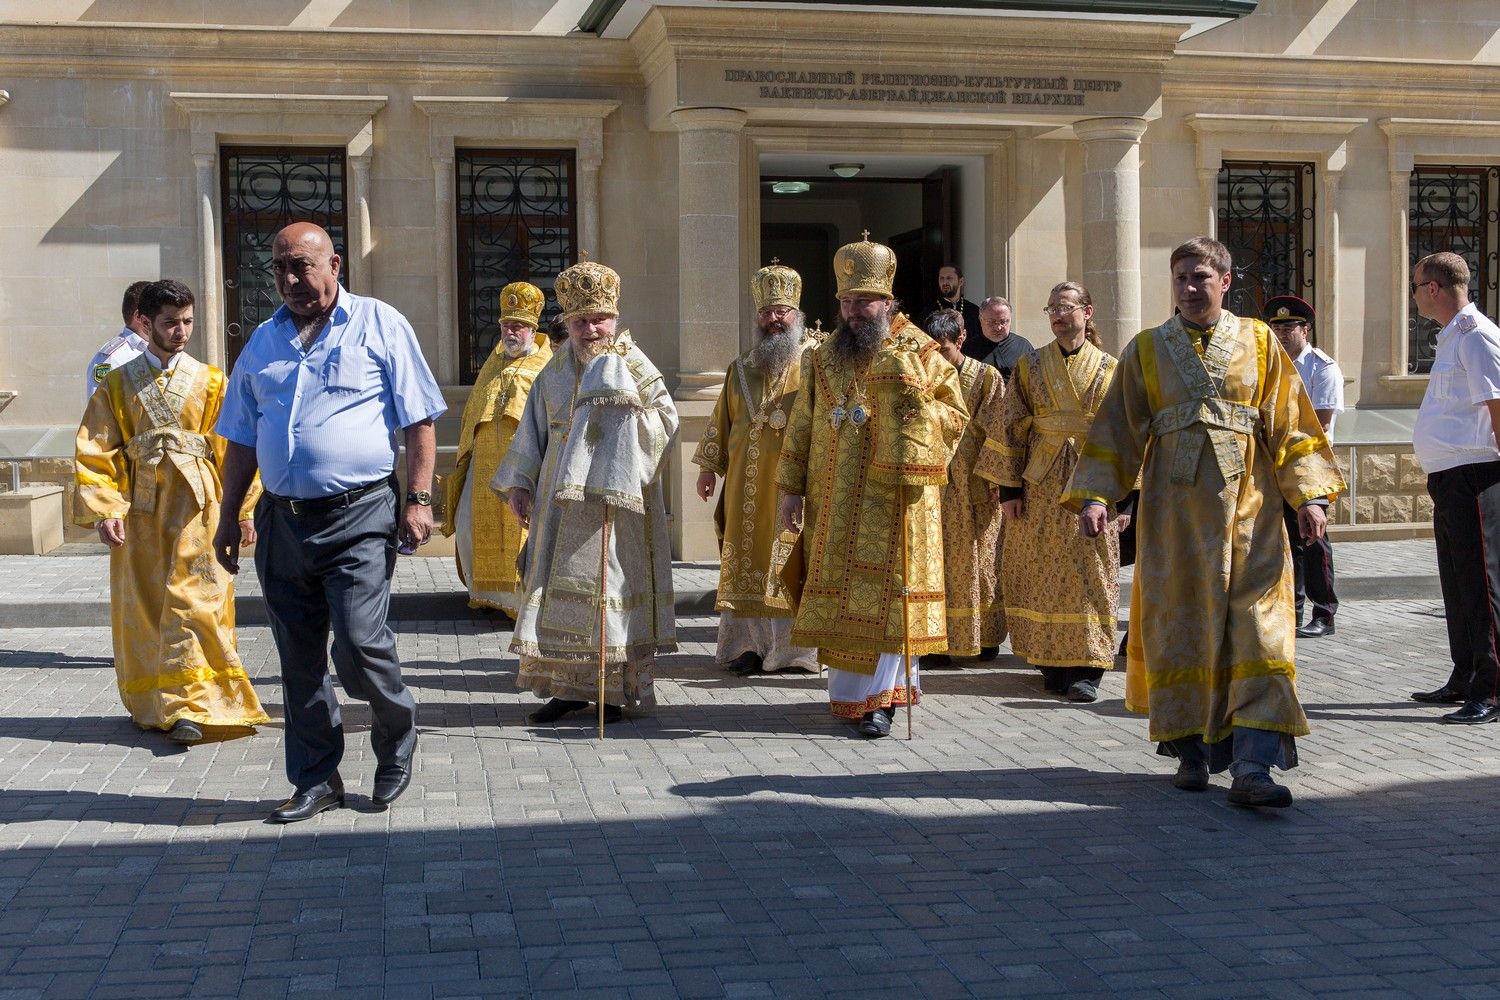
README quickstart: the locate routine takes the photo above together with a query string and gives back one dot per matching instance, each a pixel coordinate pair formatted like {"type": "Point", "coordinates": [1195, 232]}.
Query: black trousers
{"type": "Point", "coordinates": [1312, 569]}
{"type": "Point", "coordinates": [331, 570]}
{"type": "Point", "coordinates": [1466, 526]}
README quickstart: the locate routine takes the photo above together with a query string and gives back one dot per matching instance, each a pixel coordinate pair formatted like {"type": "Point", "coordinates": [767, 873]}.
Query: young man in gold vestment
{"type": "Point", "coordinates": [1210, 412]}
{"type": "Point", "coordinates": [742, 443]}
{"type": "Point", "coordinates": [489, 536]}
{"type": "Point", "coordinates": [1061, 589]}
{"type": "Point", "coordinates": [867, 448]}
{"type": "Point", "coordinates": [148, 469]}
{"type": "Point", "coordinates": [584, 475]}
{"type": "Point", "coordinates": [971, 515]}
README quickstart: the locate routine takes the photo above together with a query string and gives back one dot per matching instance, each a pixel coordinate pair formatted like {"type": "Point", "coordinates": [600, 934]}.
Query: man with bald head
{"type": "Point", "coordinates": [314, 402]}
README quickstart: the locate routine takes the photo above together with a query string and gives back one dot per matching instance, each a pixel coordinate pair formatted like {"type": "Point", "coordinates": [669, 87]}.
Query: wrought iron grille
{"type": "Point", "coordinates": [516, 222]}
{"type": "Point", "coordinates": [1265, 217]}
{"type": "Point", "coordinates": [263, 190]}
{"type": "Point", "coordinates": [1457, 209]}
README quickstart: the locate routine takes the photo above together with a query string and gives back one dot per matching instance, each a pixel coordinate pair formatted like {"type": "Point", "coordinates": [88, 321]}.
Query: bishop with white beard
{"type": "Point", "coordinates": [742, 444]}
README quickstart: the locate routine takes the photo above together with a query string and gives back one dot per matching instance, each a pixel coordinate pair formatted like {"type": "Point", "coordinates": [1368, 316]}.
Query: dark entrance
{"type": "Point", "coordinates": [917, 217]}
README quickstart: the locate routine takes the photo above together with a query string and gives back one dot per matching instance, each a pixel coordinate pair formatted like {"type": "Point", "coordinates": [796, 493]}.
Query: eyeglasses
{"type": "Point", "coordinates": [1418, 284]}
{"type": "Point", "coordinates": [1059, 310]}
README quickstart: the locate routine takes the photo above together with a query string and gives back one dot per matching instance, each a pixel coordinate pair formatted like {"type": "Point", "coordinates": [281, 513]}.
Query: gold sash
{"type": "Point", "coordinates": [1203, 378]}
{"type": "Point", "coordinates": [1061, 419]}
{"type": "Point", "coordinates": [161, 435]}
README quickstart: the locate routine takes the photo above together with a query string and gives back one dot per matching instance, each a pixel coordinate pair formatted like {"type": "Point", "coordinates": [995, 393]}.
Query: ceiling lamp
{"type": "Point", "coordinates": [791, 187]}
{"type": "Point", "coordinates": [846, 170]}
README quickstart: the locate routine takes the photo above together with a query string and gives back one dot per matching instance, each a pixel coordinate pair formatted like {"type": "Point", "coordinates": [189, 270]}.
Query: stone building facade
{"type": "Point", "coordinates": [457, 145]}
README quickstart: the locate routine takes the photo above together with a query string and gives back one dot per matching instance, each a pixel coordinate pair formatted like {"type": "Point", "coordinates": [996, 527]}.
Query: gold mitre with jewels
{"type": "Point", "coordinates": [588, 287]}
{"type": "Point", "coordinates": [776, 285]}
{"type": "Point", "coordinates": [522, 302]}
{"type": "Point", "coordinates": [865, 268]}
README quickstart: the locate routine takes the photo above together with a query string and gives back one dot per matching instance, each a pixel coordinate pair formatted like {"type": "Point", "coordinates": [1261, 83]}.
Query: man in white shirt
{"type": "Point", "coordinates": [1456, 444]}
{"type": "Point", "coordinates": [124, 346]}
{"type": "Point", "coordinates": [1291, 319]}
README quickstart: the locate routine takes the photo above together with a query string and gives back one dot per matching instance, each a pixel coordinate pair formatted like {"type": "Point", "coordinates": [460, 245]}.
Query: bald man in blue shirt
{"type": "Point", "coordinates": [314, 402]}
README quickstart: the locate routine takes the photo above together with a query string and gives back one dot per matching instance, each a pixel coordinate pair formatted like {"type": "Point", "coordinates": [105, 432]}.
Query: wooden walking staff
{"type": "Point", "coordinates": [905, 609]}
{"type": "Point", "coordinates": [603, 605]}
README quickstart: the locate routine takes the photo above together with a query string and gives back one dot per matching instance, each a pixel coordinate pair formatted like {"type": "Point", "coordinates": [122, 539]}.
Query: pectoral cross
{"type": "Point", "coordinates": [838, 416]}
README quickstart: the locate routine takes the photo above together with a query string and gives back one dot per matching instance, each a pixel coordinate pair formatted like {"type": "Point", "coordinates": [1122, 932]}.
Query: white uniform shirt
{"type": "Point", "coordinates": [1324, 382]}
{"type": "Point", "coordinates": [120, 348]}
{"type": "Point", "coordinates": [1453, 424]}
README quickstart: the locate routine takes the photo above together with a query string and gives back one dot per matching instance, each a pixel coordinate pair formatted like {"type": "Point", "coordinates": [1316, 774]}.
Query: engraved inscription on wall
{"type": "Point", "coordinates": [940, 89]}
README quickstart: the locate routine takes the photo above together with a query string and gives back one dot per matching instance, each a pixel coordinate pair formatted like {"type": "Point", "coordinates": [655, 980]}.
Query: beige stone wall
{"type": "Point", "coordinates": [453, 15]}
{"type": "Point", "coordinates": [1387, 487]}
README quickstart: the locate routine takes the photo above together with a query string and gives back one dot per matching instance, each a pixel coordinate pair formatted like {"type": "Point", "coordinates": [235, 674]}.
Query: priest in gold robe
{"type": "Point", "coordinates": [742, 444]}
{"type": "Point", "coordinates": [1062, 590]}
{"type": "Point", "coordinates": [489, 538]}
{"type": "Point", "coordinates": [147, 465]}
{"type": "Point", "coordinates": [1210, 412]}
{"type": "Point", "coordinates": [583, 474]}
{"type": "Point", "coordinates": [866, 454]}
{"type": "Point", "coordinates": [971, 515]}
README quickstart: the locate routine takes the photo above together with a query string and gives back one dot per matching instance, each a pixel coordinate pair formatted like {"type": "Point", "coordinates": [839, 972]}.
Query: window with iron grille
{"type": "Point", "coordinates": [264, 189]}
{"type": "Point", "coordinates": [1457, 209]}
{"type": "Point", "coordinates": [516, 222]}
{"type": "Point", "coordinates": [1265, 217]}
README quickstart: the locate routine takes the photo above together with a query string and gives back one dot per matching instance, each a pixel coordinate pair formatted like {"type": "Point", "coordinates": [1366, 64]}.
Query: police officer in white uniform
{"type": "Point", "coordinates": [1291, 319]}
{"type": "Point", "coordinates": [123, 346]}
{"type": "Point", "coordinates": [1455, 440]}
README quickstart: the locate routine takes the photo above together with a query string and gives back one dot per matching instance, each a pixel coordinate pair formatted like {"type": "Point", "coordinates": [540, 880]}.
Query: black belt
{"type": "Point", "coordinates": [321, 505]}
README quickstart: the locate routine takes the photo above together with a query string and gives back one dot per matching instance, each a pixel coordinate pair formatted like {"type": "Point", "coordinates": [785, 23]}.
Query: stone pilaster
{"type": "Point", "coordinates": [1112, 224]}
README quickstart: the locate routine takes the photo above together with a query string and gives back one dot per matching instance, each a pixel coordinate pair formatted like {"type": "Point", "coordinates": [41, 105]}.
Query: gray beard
{"type": "Point", "coordinates": [855, 343]}
{"type": "Point", "coordinates": [774, 352]}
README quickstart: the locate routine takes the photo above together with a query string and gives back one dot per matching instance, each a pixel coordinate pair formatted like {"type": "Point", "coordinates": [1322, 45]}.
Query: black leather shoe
{"type": "Point", "coordinates": [185, 731]}
{"type": "Point", "coordinates": [988, 653]}
{"type": "Point", "coordinates": [1316, 629]}
{"type": "Point", "coordinates": [937, 661]}
{"type": "Point", "coordinates": [309, 802]}
{"type": "Point", "coordinates": [1083, 691]}
{"type": "Point", "coordinates": [390, 781]}
{"type": "Point", "coordinates": [745, 664]}
{"type": "Point", "coordinates": [554, 710]}
{"type": "Point", "coordinates": [613, 713]}
{"type": "Point", "coordinates": [1261, 790]}
{"type": "Point", "coordinates": [1475, 713]}
{"type": "Point", "coordinates": [876, 724]}
{"type": "Point", "coordinates": [1444, 695]}
{"type": "Point", "coordinates": [1191, 777]}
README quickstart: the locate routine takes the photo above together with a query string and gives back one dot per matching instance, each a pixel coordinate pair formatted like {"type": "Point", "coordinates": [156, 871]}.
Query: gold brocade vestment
{"type": "Point", "coordinates": [971, 521]}
{"type": "Point", "coordinates": [742, 444]}
{"type": "Point", "coordinates": [854, 479]}
{"type": "Point", "coordinates": [1216, 432]}
{"type": "Point", "coordinates": [1062, 590]}
{"type": "Point", "coordinates": [490, 418]}
{"type": "Point", "coordinates": [146, 454]}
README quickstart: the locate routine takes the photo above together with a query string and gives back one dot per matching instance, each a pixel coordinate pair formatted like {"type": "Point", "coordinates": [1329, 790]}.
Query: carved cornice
{"type": "Point", "coordinates": [348, 56]}
{"type": "Point", "coordinates": [1320, 82]}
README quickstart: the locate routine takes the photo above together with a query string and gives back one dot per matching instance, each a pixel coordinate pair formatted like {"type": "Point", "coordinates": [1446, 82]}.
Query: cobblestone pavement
{"type": "Point", "coordinates": [739, 842]}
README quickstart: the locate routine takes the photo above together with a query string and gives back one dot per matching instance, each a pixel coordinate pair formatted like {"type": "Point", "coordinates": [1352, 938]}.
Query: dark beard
{"type": "Point", "coordinates": [856, 342]}
{"type": "Point", "coordinates": [773, 352]}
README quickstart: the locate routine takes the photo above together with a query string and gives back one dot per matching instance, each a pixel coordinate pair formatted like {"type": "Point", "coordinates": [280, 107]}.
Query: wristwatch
{"type": "Point", "coordinates": [420, 497]}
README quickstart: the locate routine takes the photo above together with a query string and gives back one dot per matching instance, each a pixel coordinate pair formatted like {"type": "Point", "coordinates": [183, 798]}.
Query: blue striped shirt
{"type": "Point", "coordinates": [324, 422]}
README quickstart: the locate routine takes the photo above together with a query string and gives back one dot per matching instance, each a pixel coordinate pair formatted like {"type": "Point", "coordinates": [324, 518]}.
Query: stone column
{"type": "Point", "coordinates": [443, 258]}
{"type": "Point", "coordinates": [1112, 224]}
{"type": "Point", "coordinates": [206, 176]}
{"type": "Point", "coordinates": [709, 292]}
{"type": "Point", "coordinates": [362, 282]}
{"type": "Point", "coordinates": [1401, 167]}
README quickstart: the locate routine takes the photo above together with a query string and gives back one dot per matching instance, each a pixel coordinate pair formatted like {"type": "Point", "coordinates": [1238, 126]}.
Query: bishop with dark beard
{"type": "Point", "coordinates": [866, 455]}
{"type": "Point", "coordinates": [741, 445]}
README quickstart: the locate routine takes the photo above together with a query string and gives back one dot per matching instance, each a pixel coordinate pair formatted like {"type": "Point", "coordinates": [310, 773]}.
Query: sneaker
{"type": "Point", "coordinates": [1083, 691]}
{"type": "Point", "coordinates": [185, 731]}
{"type": "Point", "coordinates": [1259, 789]}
